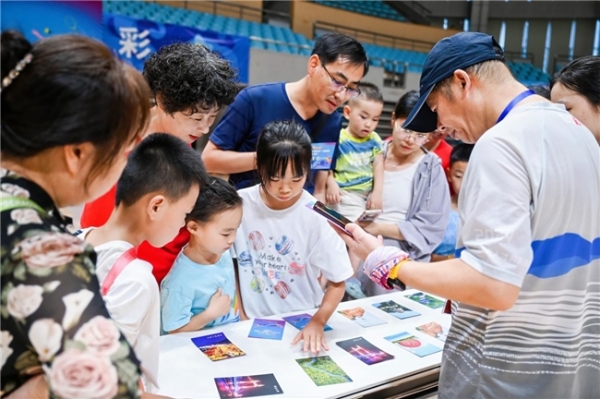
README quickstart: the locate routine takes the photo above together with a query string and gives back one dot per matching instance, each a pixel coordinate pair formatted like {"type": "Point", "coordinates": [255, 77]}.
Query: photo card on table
{"type": "Point", "coordinates": [217, 347]}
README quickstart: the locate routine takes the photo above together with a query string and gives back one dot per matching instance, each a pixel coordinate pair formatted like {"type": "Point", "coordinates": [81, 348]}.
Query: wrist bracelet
{"type": "Point", "coordinates": [393, 276]}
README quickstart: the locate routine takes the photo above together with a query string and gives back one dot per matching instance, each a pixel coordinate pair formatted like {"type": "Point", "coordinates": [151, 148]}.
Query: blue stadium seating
{"type": "Point", "coordinates": [527, 73]}
{"type": "Point", "coordinates": [287, 41]}
{"type": "Point", "coordinates": [375, 8]}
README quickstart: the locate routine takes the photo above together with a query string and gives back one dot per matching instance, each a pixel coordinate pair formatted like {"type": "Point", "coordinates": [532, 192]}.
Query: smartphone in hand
{"type": "Point", "coordinates": [369, 215]}
{"type": "Point", "coordinates": [334, 217]}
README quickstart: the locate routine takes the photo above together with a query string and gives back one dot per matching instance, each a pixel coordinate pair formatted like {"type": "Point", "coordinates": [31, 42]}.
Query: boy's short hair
{"type": "Point", "coordinates": [215, 197]}
{"type": "Point", "coordinates": [161, 163]}
{"type": "Point", "coordinates": [461, 153]}
{"type": "Point", "coordinates": [281, 143]}
{"type": "Point", "coordinates": [189, 76]}
{"type": "Point", "coordinates": [368, 91]}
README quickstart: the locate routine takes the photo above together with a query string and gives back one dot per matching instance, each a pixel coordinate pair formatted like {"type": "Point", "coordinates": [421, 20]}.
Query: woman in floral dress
{"type": "Point", "coordinates": [70, 110]}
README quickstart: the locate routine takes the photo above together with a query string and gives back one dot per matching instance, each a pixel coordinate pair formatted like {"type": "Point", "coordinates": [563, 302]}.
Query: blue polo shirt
{"type": "Point", "coordinates": [253, 108]}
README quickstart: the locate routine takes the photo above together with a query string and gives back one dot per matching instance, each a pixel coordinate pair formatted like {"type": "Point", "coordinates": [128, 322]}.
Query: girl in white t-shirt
{"type": "Point", "coordinates": [282, 245]}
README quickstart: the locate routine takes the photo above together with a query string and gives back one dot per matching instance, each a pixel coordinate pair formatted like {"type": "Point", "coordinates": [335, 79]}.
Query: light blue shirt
{"type": "Point", "coordinates": [448, 245]}
{"type": "Point", "coordinates": [187, 289]}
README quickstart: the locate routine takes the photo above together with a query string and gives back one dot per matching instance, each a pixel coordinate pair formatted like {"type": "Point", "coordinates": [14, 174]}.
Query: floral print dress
{"type": "Point", "coordinates": [53, 318]}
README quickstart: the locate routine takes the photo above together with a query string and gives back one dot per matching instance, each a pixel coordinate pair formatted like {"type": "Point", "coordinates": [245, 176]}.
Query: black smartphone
{"type": "Point", "coordinates": [339, 220]}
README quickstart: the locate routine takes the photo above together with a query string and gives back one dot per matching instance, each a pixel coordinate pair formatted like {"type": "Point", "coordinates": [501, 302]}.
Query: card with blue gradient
{"type": "Point", "coordinates": [301, 320]}
{"type": "Point", "coordinates": [267, 329]}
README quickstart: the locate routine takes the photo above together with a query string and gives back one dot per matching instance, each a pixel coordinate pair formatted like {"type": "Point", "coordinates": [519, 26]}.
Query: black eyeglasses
{"type": "Point", "coordinates": [339, 86]}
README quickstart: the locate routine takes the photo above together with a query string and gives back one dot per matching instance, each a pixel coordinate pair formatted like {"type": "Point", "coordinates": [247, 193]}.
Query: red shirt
{"type": "Point", "coordinates": [162, 259]}
{"type": "Point", "coordinates": [443, 151]}
{"type": "Point", "coordinates": [97, 212]}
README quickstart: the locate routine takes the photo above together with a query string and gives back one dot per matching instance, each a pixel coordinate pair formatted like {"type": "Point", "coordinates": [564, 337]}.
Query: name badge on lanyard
{"type": "Point", "coordinates": [322, 155]}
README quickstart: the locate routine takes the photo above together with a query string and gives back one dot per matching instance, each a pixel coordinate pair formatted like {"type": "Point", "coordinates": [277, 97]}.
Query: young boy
{"type": "Point", "coordinates": [356, 183]}
{"type": "Point", "coordinates": [158, 187]}
{"type": "Point", "coordinates": [459, 159]}
{"type": "Point", "coordinates": [200, 289]}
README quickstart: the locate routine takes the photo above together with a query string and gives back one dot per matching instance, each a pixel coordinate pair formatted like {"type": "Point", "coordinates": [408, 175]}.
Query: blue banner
{"type": "Point", "coordinates": [40, 19]}
{"type": "Point", "coordinates": [135, 39]}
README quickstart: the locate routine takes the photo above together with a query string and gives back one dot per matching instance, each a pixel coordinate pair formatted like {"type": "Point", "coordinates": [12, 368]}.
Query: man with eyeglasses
{"type": "Point", "coordinates": [336, 66]}
{"type": "Point", "coordinates": [526, 277]}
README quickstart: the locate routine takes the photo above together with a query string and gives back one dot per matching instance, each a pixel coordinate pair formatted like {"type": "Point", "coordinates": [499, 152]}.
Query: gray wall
{"type": "Point", "coordinates": [269, 66]}
{"type": "Point", "coordinates": [516, 12]}
{"type": "Point", "coordinates": [561, 32]}
{"type": "Point", "coordinates": [499, 9]}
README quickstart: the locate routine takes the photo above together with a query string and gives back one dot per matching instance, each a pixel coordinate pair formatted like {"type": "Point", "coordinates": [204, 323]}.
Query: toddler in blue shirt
{"type": "Point", "coordinates": [459, 159]}
{"type": "Point", "coordinates": [200, 289]}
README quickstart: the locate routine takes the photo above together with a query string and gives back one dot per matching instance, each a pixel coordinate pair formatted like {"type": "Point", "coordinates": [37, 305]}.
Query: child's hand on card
{"type": "Point", "coordinates": [219, 304]}
{"type": "Point", "coordinates": [313, 337]}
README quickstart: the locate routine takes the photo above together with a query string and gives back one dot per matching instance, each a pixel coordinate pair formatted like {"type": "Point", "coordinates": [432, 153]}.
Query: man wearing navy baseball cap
{"type": "Point", "coordinates": [526, 278]}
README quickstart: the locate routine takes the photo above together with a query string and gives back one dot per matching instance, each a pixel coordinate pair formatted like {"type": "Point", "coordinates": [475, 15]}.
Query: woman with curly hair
{"type": "Point", "coordinates": [189, 84]}
{"type": "Point", "coordinates": [65, 132]}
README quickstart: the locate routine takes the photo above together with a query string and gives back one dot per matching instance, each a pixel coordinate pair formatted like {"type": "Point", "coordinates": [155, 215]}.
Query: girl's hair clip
{"type": "Point", "coordinates": [12, 75]}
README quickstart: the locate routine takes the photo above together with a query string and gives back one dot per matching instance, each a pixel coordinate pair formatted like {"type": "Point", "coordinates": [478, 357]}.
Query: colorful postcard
{"type": "Point", "coordinates": [434, 330]}
{"type": "Point", "coordinates": [364, 351]}
{"type": "Point", "coordinates": [248, 386]}
{"type": "Point", "coordinates": [413, 344]}
{"type": "Point", "coordinates": [426, 300]}
{"type": "Point", "coordinates": [267, 329]}
{"type": "Point", "coordinates": [360, 317]}
{"type": "Point", "coordinates": [323, 370]}
{"type": "Point", "coordinates": [217, 347]}
{"type": "Point", "coordinates": [322, 155]}
{"type": "Point", "coordinates": [396, 310]}
{"type": "Point", "coordinates": [301, 320]}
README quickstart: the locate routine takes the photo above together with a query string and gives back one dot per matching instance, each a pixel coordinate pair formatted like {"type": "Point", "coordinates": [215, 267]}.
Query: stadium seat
{"type": "Point", "coordinates": [285, 40]}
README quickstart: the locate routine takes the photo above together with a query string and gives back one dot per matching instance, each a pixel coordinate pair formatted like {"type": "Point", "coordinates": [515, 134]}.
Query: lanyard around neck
{"type": "Point", "coordinates": [514, 102]}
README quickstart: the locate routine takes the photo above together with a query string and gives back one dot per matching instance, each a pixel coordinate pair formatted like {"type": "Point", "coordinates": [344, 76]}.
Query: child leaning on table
{"type": "Point", "coordinates": [200, 289]}
{"type": "Point", "coordinates": [155, 192]}
{"type": "Point", "coordinates": [282, 245]}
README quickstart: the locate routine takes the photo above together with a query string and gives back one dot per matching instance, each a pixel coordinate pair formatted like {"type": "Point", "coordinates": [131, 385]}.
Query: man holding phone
{"type": "Point", "coordinates": [527, 273]}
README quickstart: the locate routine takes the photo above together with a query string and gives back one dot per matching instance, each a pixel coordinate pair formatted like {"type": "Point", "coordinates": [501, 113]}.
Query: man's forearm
{"type": "Point", "coordinates": [454, 279]}
{"type": "Point", "coordinates": [228, 162]}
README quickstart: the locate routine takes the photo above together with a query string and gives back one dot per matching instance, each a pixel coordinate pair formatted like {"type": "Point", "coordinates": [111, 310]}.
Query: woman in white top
{"type": "Point", "coordinates": [416, 200]}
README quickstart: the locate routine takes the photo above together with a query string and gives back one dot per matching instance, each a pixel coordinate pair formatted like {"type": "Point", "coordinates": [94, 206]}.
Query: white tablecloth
{"type": "Point", "coordinates": [185, 372]}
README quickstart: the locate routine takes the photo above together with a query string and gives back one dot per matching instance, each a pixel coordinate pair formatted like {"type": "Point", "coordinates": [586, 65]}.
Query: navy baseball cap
{"type": "Point", "coordinates": [449, 54]}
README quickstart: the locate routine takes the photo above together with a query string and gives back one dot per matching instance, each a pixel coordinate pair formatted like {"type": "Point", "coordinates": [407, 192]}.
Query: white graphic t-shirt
{"type": "Point", "coordinates": [281, 254]}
